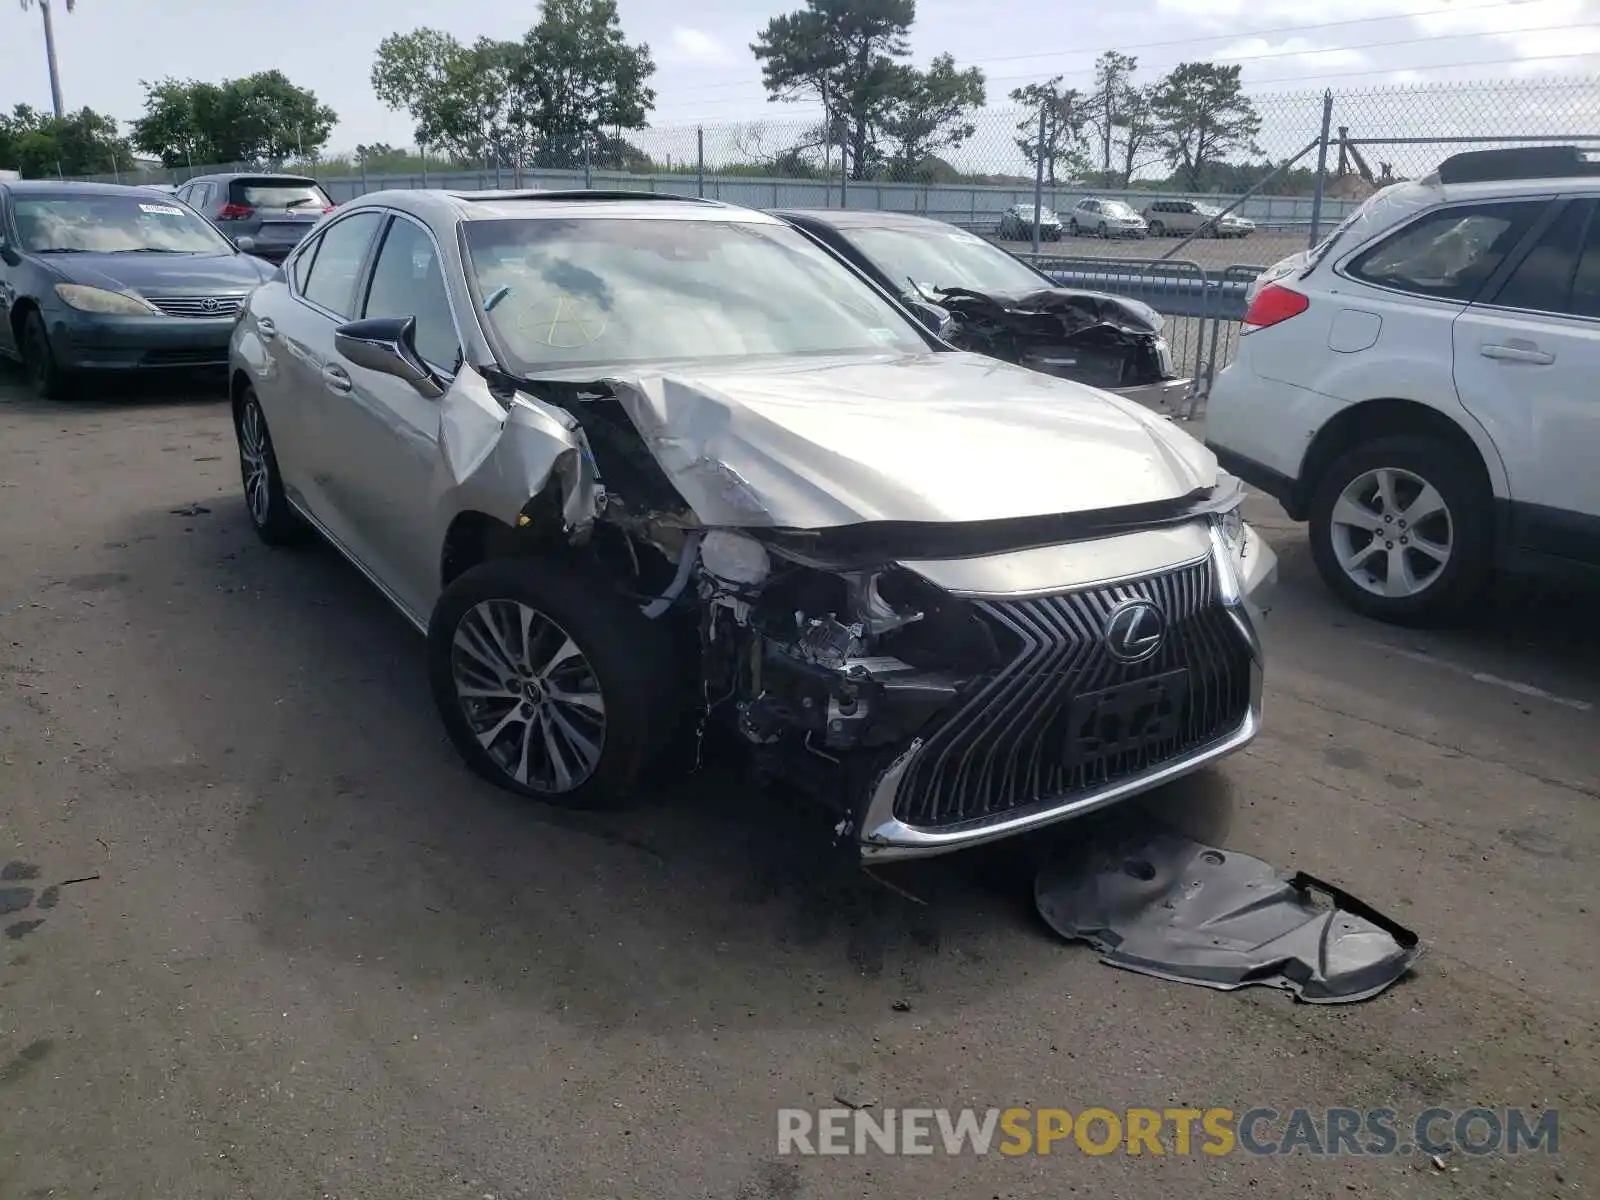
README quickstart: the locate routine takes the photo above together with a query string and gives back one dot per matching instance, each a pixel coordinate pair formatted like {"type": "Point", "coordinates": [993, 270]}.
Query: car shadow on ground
{"type": "Point", "coordinates": [114, 393]}
{"type": "Point", "coordinates": [308, 713]}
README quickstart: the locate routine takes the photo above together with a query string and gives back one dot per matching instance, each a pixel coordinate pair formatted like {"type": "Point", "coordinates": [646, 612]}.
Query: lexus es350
{"type": "Point", "coordinates": [646, 470]}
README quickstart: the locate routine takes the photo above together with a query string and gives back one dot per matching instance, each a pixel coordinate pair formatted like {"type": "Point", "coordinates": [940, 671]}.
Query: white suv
{"type": "Point", "coordinates": [1424, 386]}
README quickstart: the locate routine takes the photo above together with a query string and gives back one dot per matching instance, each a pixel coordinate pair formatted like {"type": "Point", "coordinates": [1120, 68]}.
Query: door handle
{"type": "Point", "coordinates": [1521, 354]}
{"type": "Point", "coordinates": [266, 327]}
{"type": "Point", "coordinates": [335, 379]}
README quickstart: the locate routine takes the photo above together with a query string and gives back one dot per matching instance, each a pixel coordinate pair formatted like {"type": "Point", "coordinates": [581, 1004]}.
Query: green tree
{"type": "Point", "coordinates": [1066, 116]}
{"type": "Point", "coordinates": [846, 55]}
{"type": "Point", "coordinates": [1200, 115]}
{"type": "Point", "coordinates": [576, 77]}
{"type": "Point", "coordinates": [1114, 94]}
{"type": "Point", "coordinates": [260, 117]}
{"type": "Point", "coordinates": [932, 113]}
{"type": "Point", "coordinates": [461, 97]}
{"type": "Point", "coordinates": [40, 146]}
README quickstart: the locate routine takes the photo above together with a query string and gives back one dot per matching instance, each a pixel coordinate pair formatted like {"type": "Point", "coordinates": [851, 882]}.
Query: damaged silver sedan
{"type": "Point", "coordinates": [658, 475]}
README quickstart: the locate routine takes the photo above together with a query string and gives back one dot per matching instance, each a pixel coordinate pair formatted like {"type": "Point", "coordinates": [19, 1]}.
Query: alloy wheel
{"type": "Point", "coordinates": [1392, 532]}
{"type": "Point", "coordinates": [254, 464]}
{"type": "Point", "coordinates": [529, 694]}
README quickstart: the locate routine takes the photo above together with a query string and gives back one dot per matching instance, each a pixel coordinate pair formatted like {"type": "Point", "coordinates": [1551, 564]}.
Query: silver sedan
{"type": "Point", "coordinates": [643, 467]}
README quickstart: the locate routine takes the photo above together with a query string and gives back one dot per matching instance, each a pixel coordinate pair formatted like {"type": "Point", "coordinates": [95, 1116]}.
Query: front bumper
{"type": "Point", "coordinates": [1017, 713]}
{"type": "Point", "coordinates": [1166, 395]}
{"type": "Point", "coordinates": [96, 342]}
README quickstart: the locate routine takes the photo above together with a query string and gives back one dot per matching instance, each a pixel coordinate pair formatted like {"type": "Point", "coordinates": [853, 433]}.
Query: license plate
{"type": "Point", "coordinates": [1127, 718]}
{"type": "Point", "coordinates": [1164, 358]}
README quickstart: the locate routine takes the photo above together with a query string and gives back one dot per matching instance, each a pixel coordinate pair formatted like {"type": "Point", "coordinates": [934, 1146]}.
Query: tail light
{"type": "Point", "coordinates": [234, 212]}
{"type": "Point", "coordinates": [1273, 304]}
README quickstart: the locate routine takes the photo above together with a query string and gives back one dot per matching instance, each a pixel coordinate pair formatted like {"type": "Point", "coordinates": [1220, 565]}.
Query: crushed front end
{"type": "Point", "coordinates": [1102, 340]}
{"type": "Point", "coordinates": [937, 704]}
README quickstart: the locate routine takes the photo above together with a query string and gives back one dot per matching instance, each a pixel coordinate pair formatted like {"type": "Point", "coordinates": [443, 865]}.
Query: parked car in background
{"type": "Point", "coordinates": [265, 215]}
{"type": "Point", "coordinates": [97, 277]}
{"type": "Point", "coordinates": [978, 297]}
{"type": "Point", "coordinates": [1184, 217]}
{"type": "Point", "coordinates": [1016, 224]}
{"type": "Point", "coordinates": [1421, 386]}
{"type": "Point", "coordinates": [640, 465]}
{"type": "Point", "coordinates": [1105, 218]}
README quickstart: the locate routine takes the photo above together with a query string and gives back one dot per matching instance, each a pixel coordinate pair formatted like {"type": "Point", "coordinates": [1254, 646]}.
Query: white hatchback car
{"type": "Point", "coordinates": [1422, 387]}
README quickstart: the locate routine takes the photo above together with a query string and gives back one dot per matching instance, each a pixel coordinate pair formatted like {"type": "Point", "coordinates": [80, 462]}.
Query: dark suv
{"type": "Point", "coordinates": [265, 215]}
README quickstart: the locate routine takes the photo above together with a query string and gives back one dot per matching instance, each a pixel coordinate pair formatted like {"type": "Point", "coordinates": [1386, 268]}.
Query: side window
{"type": "Point", "coordinates": [302, 264]}
{"type": "Point", "coordinates": [407, 282]}
{"type": "Point", "coordinates": [182, 194]}
{"type": "Point", "coordinates": [331, 281]}
{"type": "Point", "coordinates": [1586, 280]}
{"type": "Point", "coordinates": [203, 196]}
{"type": "Point", "coordinates": [1449, 254]}
{"type": "Point", "coordinates": [1543, 280]}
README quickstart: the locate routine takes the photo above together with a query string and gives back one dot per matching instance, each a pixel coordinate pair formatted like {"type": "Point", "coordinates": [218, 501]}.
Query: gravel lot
{"type": "Point", "coordinates": [1259, 249]}
{"type": "Point", "coordinates": [315, 958]}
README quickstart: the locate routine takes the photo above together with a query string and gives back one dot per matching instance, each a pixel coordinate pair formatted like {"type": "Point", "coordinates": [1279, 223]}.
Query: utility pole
{"type": "Point", "coordinates": [50, 50]}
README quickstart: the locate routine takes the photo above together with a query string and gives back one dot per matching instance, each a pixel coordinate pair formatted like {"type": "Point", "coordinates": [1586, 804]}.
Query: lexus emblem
{"type": "Point", "coordinates": [1134, 631]}
{"type": "Point", "coordinates": [210, 304]}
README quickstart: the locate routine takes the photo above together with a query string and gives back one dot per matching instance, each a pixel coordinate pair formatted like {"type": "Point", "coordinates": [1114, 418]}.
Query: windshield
{"type": "Point", "coordinates": [1116, 208]}
{"type": "Point", "coordinates": [937, 260]}
{"type": "Point", "coordinates": [113, 224]}
{"type": "Point", "coordinates": [1207, 210]}
{"type": "Point", "coordinates": [601, 290]}
{"type": "Point", "coordinates": [280, 193]}
{"type": "Point", "coordinates": [1026, 210]}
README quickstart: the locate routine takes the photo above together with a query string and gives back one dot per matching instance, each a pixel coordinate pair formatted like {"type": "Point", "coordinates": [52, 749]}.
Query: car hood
{"type": "Point", "coordinates": [163, 274]}
{"type": "Point", "coordinates": [938, 437]}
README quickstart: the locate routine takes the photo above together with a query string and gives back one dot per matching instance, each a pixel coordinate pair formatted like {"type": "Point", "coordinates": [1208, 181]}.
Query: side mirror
{"type": "Point", "coordinates": [387, 345]}
{"type": "Point", "coordinates": [937, 320]}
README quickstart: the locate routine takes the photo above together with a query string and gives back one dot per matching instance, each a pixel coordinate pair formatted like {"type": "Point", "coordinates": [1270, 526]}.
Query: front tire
{"type": "Point", "coordinates": [550, 684]}
{"type": "Point", "coordinates": [1401, 529]}
{"type": "Point", "coordinates": [45, 376]}
{"type": "Point", "coordinates": [1072, 227]}
{"type": "Point", "coordinates": [274, 521]}
{"type": "Point", "coordinates": [1157, 229]}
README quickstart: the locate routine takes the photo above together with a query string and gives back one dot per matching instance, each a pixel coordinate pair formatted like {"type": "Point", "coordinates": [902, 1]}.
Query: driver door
{"type": "Point", "coordinates": [385, 438]}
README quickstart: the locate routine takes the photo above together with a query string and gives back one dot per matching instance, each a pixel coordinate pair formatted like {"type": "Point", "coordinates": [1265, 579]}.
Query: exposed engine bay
{"type": "Point", "coordinates": [1092, 337]}
{"type": "Point", "coordinates": [817, 652]}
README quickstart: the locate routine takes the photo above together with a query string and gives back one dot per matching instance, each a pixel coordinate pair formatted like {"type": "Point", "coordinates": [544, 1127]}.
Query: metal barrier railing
{"type": "Point", "coordinates": [1203, 308]}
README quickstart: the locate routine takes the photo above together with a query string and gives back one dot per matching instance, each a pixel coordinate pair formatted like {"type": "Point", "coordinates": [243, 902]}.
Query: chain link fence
{"type": "Point", "coordinates": [1298, 163]}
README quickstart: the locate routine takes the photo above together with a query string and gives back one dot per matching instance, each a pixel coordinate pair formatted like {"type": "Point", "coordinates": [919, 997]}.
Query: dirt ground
{"type": "Point", "coordinates": [307, 955]}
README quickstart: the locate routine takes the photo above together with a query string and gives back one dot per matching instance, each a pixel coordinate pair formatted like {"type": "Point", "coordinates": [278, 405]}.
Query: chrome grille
{"type": "Point", "coordinates": [1010, 742]}
{"type": "Point", "coordinates": [197, 306]}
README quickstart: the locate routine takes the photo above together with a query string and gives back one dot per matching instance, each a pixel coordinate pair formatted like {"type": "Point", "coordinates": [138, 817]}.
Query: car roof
{"type": "Point", "coordinates": [250, 175]}
{"type": "Point", "coordinates": [67, 187]}
{"type": "Point", "coordinates": [852, 218]}
{"type": "Point", "coordinates": [444, 205]}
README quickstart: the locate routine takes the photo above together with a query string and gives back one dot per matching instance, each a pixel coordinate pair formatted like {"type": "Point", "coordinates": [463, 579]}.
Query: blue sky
{"type": "Point", "coordinates": [707, 75]}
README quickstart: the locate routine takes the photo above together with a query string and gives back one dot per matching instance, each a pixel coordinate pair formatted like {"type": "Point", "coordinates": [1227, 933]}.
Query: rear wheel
{"type": "Point", "coordinates": [45, 376]}
{"type": "Point", "coordinates": [550, 684]}
{"type": "Point", "coordinates": [1400, 529]}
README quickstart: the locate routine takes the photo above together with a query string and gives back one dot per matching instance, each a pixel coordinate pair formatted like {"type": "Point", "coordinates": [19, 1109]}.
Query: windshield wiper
{"type": "Point", "coordinates": [61, 250]}
{"type": "Point", "coordinates": [150, 250]}
{"type": "Point", "coordinates": [302, 200]}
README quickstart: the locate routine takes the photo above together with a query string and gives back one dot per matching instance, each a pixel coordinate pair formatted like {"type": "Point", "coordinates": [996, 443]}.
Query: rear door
{"type": "Point", "coordinates": [1527, 366]}
{"type": "Point", "coordinates": [276, 210]}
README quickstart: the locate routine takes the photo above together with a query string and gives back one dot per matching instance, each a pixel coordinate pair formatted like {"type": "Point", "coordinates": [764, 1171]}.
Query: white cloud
{"type": "Point", "coordinates": [692, 45]}
{"type": "Point", "coordinates": [1288, 54]}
